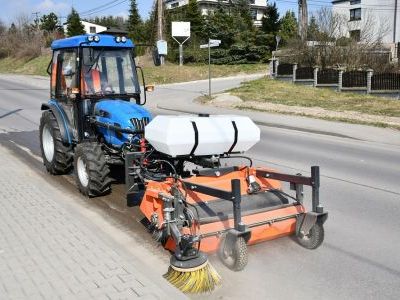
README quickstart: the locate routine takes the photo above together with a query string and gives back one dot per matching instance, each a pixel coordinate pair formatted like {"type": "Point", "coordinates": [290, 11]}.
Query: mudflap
{"type": "Point", "coordinates": [307, 220]}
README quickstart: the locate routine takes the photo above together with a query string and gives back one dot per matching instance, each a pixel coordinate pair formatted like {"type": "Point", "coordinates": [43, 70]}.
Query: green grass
{"type": "Point", "coordinates": [167, 73]}
{"type": "Point", "coordinates": [36, 66]}
{"type": "Point", "coordinates": [280, 92]}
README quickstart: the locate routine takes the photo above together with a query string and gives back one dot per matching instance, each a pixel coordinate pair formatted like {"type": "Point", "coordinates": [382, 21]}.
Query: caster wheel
{"type": "Point", "coordinates": [233, 253]}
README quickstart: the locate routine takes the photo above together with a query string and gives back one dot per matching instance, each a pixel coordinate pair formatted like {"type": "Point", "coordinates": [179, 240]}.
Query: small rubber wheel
{"type": "Point", "coordinates": [57, 156]}
{"type": "Point", "coordinates": [314, 239]}
{"type": "Point", "coordinates": [234, 254]}
{"type": "Point", "coordinates": [91, 170]}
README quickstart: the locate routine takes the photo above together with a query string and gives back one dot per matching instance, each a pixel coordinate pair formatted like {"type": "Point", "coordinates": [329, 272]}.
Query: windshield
{"type": "Point", "coordinates": [109, 72]}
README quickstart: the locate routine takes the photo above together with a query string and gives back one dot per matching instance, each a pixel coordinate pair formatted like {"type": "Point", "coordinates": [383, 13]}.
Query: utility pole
{"type": "Point", "coordinates": [36, 20]}
{"type": "Point", "coordinates": [303, 19]}
{"type": "Point", "coordinates": [160, 25]}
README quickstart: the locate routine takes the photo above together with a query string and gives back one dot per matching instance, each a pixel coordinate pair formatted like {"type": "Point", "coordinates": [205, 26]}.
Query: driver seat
{"type": "Point", "coordinates": [91, 81]}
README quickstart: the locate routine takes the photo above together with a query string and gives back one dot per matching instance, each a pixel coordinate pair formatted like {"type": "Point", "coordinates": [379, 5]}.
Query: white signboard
{"type": "Point", "coordinates": [181, 29]}
{"type": "Point", "coordinates": [162, 47]}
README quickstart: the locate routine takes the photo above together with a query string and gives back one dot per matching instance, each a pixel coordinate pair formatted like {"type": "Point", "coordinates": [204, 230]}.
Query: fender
{"type": "Point", "coordinates": [62, 120]}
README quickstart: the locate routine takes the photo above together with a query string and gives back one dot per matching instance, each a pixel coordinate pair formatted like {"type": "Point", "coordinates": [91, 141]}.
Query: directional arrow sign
{"type": "Point", "coordinates": [204, 46]}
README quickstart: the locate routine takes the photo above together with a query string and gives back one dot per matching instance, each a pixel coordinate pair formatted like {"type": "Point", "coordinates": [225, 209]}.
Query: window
{"type": "Point", "coordinates": [109, 72]}
{"type": "Point", "coordinates": [355, 14]}
{"type": "Point", "coordinates": [353, 2]}
{"type": "Point", "coordinates": [355, 35]}
{"type": "Point", "coordinates": [176, 4]}
{"type": "Point", "coordinates": [92, 29]}
{"type": "Point", "coordinates": [67, 77]}
{"type": "Point", "coordinates": [253, 14]}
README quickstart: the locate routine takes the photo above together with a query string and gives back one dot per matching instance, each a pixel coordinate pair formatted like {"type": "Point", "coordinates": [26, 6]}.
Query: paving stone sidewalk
{"type": "Point", "coordinates": [46, 252]}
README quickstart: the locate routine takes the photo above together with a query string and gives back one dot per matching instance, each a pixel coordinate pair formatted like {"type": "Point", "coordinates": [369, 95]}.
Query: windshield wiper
{"type": "Point", "coordinates": [96, 60]}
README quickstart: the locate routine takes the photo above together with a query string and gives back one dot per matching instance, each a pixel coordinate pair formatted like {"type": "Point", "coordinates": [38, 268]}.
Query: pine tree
{"type": "Point", "coordinates": [135, 23]}
{"type": "Point", "coordinates": [270, 21]}
{"type": "Point", "coordinates": [193, 15]}
{"type": "Point", "coordinates": [49, 22]}
{"type": "Point", "coordinates": [313, 29]}
{"type": "Point", "coordinates": [288, 28]}
{"type": "Point", "coordinates": [74, 27]}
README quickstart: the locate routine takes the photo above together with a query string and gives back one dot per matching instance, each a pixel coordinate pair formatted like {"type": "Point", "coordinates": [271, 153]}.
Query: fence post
{"type": "Point", "coordinates": [316, 68]}
{"type": "Point", "coordinates": [294, 72]}
{"type": "Point", "coordinates": [370, 72]}
{"type": "Point", "coordinates": [340, 79]}
{"type": "Point", "coordinates": [272, 67]}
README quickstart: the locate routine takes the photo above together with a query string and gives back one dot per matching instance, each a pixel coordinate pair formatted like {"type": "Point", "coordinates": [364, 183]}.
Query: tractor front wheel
{"type": "Point", "coordinates": [233, 252]}
{"type": "Point", "coordinates": [56, 155]}
{"type": "Point", "coordinates": [91, 170]}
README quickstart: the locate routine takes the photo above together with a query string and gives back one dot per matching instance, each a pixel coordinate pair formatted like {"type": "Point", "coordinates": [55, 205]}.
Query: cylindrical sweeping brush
{"type": "Point", "coordinates": [193, 276]}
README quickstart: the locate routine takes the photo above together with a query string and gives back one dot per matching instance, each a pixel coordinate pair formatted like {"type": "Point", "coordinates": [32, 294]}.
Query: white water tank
{"type": "Point", "coordinates": [197, 135]}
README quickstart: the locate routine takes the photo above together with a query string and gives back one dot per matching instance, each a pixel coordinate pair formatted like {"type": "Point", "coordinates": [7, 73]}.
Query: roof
{"type": "Point", "coordinates": [113, 30]}
{"type": "Point", "coordinates": [81, 40]}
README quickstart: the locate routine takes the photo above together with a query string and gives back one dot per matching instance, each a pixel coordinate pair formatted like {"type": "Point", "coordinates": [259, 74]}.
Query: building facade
{"type": "Point", "coordinates": [89, 27]}
{"type": "Point", "coordinates": [257, 7]}
{"type": "Point", "coordinates": [370, 19]}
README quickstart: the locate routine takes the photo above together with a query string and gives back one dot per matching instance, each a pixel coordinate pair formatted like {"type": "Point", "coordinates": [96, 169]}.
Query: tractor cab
{"type": "Point", "coordinates": [87, 70]}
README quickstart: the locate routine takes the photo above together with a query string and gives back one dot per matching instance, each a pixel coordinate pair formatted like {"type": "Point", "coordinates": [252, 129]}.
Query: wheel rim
{"type": "Point", "coordinates": [82, 172]}
{"type": "Point", "coordinates": [227, 254]}
{"type": "Point", "coordinates": [48, 143]}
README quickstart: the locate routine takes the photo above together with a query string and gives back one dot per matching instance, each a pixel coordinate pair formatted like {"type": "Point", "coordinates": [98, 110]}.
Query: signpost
{"type": "Point", "coordinates": [211, 44]}
{"type": "Point", "coordinates": [180, 30]}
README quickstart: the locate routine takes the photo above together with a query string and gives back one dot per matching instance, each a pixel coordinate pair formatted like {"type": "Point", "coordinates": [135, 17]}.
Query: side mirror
{"type": "Point", "coordinates": [149, 88]}
{"type": "Point", "coordinates": [156, 57]}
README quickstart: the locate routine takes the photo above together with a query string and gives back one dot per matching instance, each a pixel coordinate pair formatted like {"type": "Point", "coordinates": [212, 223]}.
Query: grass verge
{"type": "Point", "coordinates": [168, 73]}
{"type": "Point", "coordinates": [268, 90]}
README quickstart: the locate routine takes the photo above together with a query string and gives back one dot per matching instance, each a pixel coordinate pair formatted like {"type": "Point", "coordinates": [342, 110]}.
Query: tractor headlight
{"type": "Point", "coordinates": [123, 39]}
{"type": "Point", "coordinates": [90, 38]}
{"type": "Point", "coordinates": [96, 38]}
{"type": "Point", "coordinates": [118, 39]}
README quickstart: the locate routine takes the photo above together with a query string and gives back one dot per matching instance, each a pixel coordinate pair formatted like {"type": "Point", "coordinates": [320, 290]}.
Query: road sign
{"type": "Point", "coordinates": [215, 41]}
{"type": "Point", "coordinates": [162, 47]}
{"type": "Point", "coordinates": [180, 29]}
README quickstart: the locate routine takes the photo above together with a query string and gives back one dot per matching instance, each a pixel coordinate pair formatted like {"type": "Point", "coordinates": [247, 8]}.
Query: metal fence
{"type": "Point", "coordinates": [328, 76]}
{"type": "Point", "coordinates": [305, 73]}
{"type": "Point", "coordinates": [354, 79]}
{"type": "Point", "coordinates": [385, 81]}
{"type": "Point", "coordinates": [285, 69]}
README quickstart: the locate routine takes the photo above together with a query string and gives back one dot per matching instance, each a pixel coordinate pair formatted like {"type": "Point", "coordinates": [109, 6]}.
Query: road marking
{"type": "Point", "coordinates": [27, 150]}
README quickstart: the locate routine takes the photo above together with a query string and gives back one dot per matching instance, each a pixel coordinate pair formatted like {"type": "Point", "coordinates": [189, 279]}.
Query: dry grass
{"type": "Point", "coordinates": [273, 91]}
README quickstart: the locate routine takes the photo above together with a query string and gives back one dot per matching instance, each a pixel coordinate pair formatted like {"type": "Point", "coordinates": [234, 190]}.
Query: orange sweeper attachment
{"type": "Point", "coordinates": [194, 205]}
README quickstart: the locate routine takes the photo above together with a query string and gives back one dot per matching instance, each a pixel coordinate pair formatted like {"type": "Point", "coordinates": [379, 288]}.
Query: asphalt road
{"type": "Point", "coordinates": [360, 258]}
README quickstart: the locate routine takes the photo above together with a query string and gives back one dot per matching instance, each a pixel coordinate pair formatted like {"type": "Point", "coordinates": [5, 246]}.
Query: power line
{"type": "Point", "coordinates": [109, 5]}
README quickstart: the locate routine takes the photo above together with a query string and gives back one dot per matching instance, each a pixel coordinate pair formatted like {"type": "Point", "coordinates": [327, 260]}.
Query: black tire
{"type": "Point", "coordinates": [89, 157]}
{"type": "Point", "coordinates": [234, 254]}
{"type": "Point", "coordinates": [61, 161]}
{"type": "Point", "coordinates": [314, 239]}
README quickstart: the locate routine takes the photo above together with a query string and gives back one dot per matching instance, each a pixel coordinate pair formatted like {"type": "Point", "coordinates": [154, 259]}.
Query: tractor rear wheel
{"type": "Point", "coordinates": [233, 253]}
{"type": "Point", "coordinates": [314, 238]}
{"type": "Point", "coordinates": [56, 155]}
{"type": "Point", "coordinates": [91, 170]}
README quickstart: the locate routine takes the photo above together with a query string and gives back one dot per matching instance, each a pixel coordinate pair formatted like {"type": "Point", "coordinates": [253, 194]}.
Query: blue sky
{"type": "Point", "coordinates": [10, 10]}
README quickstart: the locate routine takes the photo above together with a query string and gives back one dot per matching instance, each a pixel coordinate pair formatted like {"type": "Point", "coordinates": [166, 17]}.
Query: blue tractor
{"type": "Point", "coordinates": [95, 113]}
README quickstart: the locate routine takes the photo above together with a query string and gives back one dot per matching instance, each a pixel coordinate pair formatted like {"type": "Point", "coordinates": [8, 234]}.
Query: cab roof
{"type": "Point", "coordinates": [82, 40]}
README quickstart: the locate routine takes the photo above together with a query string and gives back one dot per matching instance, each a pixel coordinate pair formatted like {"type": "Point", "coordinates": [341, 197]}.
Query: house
{"type": "Point", "coordinates": [258, 8]}
{"type": "Point", "coordinates": [373, 19]}
{"type": "Point", "coordinates": [89, 27]}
